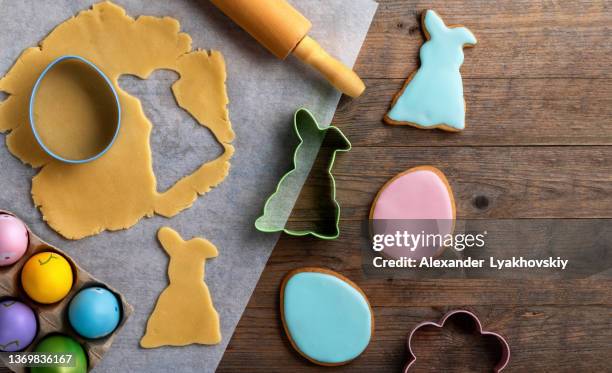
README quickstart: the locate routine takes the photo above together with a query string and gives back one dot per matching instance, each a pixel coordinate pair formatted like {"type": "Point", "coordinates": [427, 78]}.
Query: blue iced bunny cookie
{"type": "Point", "coordinates": [432, 96]}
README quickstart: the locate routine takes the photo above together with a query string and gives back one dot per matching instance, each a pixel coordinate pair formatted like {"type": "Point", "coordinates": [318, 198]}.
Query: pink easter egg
{"type": "Point", "coordinates": [13, 239]}
{"type": "Point", "coordinates": [418, 202]}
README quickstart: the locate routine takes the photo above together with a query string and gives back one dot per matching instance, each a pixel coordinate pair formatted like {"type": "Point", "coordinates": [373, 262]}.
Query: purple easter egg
{"type": "Point", "coordinates": [17, 326]}
{"type": "Point", "coordinates": [13, 239]}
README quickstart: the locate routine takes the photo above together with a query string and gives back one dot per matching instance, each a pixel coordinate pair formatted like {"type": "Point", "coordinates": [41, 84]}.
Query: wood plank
{"type": "Point", "coordinates": [516, 39]}
{"type": "Point", "coordinates": [539, 101]}
{"type": "Point", "coordinates": [499, 112]}
{"type": "Point", "coordinates": [542, 338]}
{"type": "Point", "coordinates": [344, 255]}
{"type": "Point", "coordinates": [550, 325]}
{"type": "Point", "coordinates": [488, 182]}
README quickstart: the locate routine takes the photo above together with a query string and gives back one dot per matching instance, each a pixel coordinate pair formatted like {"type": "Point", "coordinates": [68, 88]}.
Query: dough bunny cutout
{"type": "Point", "coordinates": [117, 190]}
{"type": "Point", "coordinates": [184, 313]}
{"type": "Point", "coordinates": [432, 96]}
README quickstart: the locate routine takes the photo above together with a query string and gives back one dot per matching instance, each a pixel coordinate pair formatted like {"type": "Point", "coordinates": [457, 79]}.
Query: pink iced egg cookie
{"type": "Point", "coordinates": [416, 208]}
{"type": "Point", "coordinates": [13, 239]}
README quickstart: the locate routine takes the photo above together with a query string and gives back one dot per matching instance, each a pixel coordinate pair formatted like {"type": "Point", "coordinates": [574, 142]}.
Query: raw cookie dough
{"type": "Point", "coordinates": [118, 189]}
{"type": "Point", "coordinates": [184, 313]}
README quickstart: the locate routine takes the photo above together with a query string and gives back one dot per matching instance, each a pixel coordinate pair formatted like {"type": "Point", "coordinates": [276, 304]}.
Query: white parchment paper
{"type": "Point", "coordinates": [263, 92]}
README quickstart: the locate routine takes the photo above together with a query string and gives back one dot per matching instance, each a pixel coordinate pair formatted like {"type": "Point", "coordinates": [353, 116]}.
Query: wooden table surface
{"type": "Point", "coordinates": [538, 144]}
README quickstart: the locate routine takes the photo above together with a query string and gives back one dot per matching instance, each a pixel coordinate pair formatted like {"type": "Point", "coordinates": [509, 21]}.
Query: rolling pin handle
{"type": "Point", "coordinates": [338, 74]}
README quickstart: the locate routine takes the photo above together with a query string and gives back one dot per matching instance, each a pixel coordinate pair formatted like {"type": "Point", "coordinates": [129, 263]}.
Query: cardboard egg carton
{"type": "Point", "coordinates": [53, 318]}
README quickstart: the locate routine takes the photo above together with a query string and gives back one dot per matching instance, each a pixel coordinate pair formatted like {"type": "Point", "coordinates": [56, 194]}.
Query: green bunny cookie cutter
{"type": "Point", "coordinates": [318, 145]}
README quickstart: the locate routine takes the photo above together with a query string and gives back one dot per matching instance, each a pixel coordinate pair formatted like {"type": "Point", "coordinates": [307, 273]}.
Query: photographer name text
{"type": "Point", "coordinates": [469, 262]}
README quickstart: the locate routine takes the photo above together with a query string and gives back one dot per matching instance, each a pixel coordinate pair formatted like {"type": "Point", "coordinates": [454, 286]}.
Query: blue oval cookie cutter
{"type": "Point", "coordinates": [33, 97]}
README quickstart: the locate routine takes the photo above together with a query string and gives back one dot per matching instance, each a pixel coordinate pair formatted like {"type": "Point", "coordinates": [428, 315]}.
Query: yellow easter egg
{"type": "Point", "coordinates": [47, 277]}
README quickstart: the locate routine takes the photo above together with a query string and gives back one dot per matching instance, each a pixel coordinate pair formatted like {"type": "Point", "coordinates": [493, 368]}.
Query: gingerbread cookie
{"type": "Point", "coordinates": [432, 96]}
{"type": "Point", "coordinates": [419, 200]}
{"type": "Point", "coordinates": [326, 316]}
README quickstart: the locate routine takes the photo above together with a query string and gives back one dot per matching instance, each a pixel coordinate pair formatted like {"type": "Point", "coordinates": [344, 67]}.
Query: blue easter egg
{"type": "Point", "coordinates": [327, 318]}
{"type": "Point", "coordinates": [94, 312]}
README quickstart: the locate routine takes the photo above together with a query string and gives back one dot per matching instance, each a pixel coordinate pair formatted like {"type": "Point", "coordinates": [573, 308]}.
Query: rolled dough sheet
{"type": "Point", "coordinates": [184, 313]}
{"type": "Point", "coordinates": [115, 191]}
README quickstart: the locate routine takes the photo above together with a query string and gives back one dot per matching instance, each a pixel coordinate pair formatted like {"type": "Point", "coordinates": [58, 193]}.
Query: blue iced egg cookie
{"type": "Point", "coordinates": [326, 316]}
{"type": "Point", "coordinates": [94, 312]}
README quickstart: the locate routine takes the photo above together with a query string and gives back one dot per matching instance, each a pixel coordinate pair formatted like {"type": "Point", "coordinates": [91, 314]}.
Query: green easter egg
{"type": "Point", "coordinates": [62, 344]}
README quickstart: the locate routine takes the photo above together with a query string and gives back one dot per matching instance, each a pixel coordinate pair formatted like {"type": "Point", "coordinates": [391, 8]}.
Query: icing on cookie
{"type": "Point", "coordinates": [419, 193]}
{"type": "Point", "coordinates": [328, 320]}
{"type": "Point", "coordinates": [419, 199]}
{"type": "Point", "coordinates": [433, 96]}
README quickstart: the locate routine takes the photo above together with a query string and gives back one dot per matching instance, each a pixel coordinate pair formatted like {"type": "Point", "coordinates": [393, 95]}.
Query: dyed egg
{"type": "Point", "coordinates": [94, 312]}
{"type": "Point", "coordinates": [13, 239]}
{"type": "Point", "coordinates": [47, 277]}
{"type": "Point", "coordinates": [61, 344]}
{"type": "Point", "coordinates": [327, 318]}
{"type": "Point", "coordinates": [18, 326]}
{"type": "Point", "coordinates": [418, 202]}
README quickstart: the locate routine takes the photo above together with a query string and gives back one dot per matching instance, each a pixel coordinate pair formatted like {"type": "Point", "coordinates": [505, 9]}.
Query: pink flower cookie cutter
{"type": "Point", "coordinates": [505, 354]}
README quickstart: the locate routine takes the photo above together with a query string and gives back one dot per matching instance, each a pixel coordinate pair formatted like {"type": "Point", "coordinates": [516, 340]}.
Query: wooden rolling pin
{"type": "Point", "coordinates": [283, 30]}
